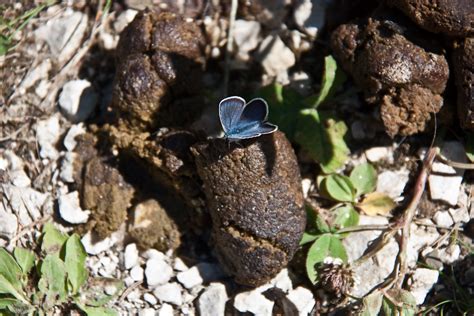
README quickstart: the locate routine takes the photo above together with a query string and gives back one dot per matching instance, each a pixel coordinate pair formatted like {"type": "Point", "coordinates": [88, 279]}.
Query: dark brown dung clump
{"type": "Point", "coordinates": [256, 204]}
{"type": "Point", "coordinates": [396, 68]}
{"type": "Point", "coordinates": [463, 64]}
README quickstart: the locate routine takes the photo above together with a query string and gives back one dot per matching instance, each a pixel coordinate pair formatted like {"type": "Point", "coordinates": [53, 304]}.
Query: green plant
{"type": "Point", "coordinates": [34, 285]}
{"type": "Point", "coordinates": [349, 193]}
{"type": "Point", "coordinates": [393, 302]}
{"type": "Point", "coordinates": [8, 28]}
{"type": "Point", "coordinates": [320, 133]}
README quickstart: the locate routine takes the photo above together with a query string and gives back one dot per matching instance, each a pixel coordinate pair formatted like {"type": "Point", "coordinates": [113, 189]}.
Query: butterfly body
{"type": "Point", "coordinates": [241, 120]}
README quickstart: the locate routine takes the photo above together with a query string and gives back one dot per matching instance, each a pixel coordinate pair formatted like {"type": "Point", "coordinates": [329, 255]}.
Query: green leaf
{"type": "Point", "coordinates": [10, 269]}
{"type": "Point", "coordinates": [25, 259]}
{"type": "Point", "coordinates": [5, 302]}
{"type": "Point", "coordinates": [372, 304]}
{"type": "Point", "coordinates": [339, 188]}
{"type": "Point", "coordinates": [52, 283]}
{"type": "Point", "coordinates": [377, 203]}
{"type": "Point", "coordinates": [284, 105]}
{"type": "Point", "coordinates": [4, 45]}
{"type": "Point", "coordinates": [364, 178]}
{"type": "Point", "coordinates": [470, 146]}
{"type": "Point", "coordinates": [333, 78]}
{"type": "Point", "coordinates": [97, 311]}
{"type": "Point", "coordinates": [75, 262]}
{"type": "Point", "coordinates": [346, 216]}
{"type": "Point", "coordinates": [93, 291]}
{"type": "Point", "coordinates": [6, 287]}
{"type": "Point", "coordinates": [327, 245]}
{"type": "Point", "coordinates": [323, 139]}
{"type": "Point", "coordinates": [53, 239]}
{"type": "Point", "coordinates": [321, 225]}
{"type": "Point", "coordinates": [307, 237]}
{"type": "Point", "coordinates": [14, 306]}
{"type": "Point", "coordinates": [399, 302]}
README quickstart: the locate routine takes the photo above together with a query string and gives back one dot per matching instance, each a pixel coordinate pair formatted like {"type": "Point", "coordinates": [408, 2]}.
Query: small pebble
{"type": "Point", "coordinates": [150, 299]}
{"type": "Point", "coordinates": [303, 300]}
{"type": "Point", "coordinates": [190, 278]}
{"type": "Point", "coordinates": [179, 265]}
{"type": "Point", "coordinates": [166, 310]}
{"type": "Point", "coordinates": [443, 219]}
{"type": "Point", "coordinates": [147, 312]}
{"type": "Point", "coordinates": [136, 273]}
{"type": "Point", "coordinates": [169, 293]}
{"type": "Point", "coordinates": [70, 209]}
{"type": "Point", "coordinates": [77, 100]}
{"type": "Point", "coordinates": [131, 256]}
{"type": "Point", "coordinates": [212, 301]}
{"type": "Point", "coordinates": [157, 272]}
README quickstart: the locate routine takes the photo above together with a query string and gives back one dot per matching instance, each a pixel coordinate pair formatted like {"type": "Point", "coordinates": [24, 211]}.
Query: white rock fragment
{"type": "Point", "coordinates": [70, 209]}
{"type": "Point", "coordinates": [26, 203]}
{"type": "Point", "coordinates": [130, 256]}
{"type": "Point", "coordinates": [212, 301]}
{"type": "Point", "coordinates": [70, 138]}
{"type": "Point", "coordinates": [392, 183]}
{"type": "Point", "coordinates": [310, 15]}
{"type": "Point", "coordinates": [66, 172]}
{"type": "Point", "coordinates": [19, 178]}
{"type": "Point", "coordinates": [275, 57]}
{"type": "Point", "coordinates": [157, 272]}
{"type": "Point", "coordinates": [282, 281]}
{"type": "Point", "coordinates": [64, 34]}
{"type": "Point", "coordinates": [153, 254]}
{"type": "Point", "coordinates": [77, 100]}
{"type": "Point", "coordinates": [169, 293]}
{"type": "Point", "coordinates": [421, 283]}
{"type": "Point", "coordinates": [124, 19]}
{"type": "Point", "coordinates": [253, 302]}
{"type": "Point", "coordinates": [48, 133]}
{"type": "Point", "coordinates": [37, 73]}
{"type": "Point", "coordinates": [190, 278]}
{"type": "Point", "coordinates": [166, 310]}
{"type": "Point", "coordinates": [246, 37]}
{"type": "Point", "coordinates": [150, 299]}
{"type": "Point", "coordinates": [443, 219]}
{"type": "Point", "coordinates": [303, 300]}
{"type": "Point", "coordinates": [179, 265]}
{"type": "Point", "coordinates": [8, 224]}
{"type": "Point", "coordinates": [445, 181]}
{"type": "Point", "coordinates": [136, 273]}
{"type": "Point", "coordinates": [42, 88]}
{"type": "Point", "coordinates": [93, 246]}
{"type": "Point", "coordinates": [147, 312]}
{"type": "Point", "coordinates": [376, 154]}
{"type": "Point", "coordinates": [133, 295]}
{"type": "Point", "coordinates": [420, 238]}
{"type": "Point", "coordinates": [306, 185]}
{"type": "Point", "coordinates": [459, 215]}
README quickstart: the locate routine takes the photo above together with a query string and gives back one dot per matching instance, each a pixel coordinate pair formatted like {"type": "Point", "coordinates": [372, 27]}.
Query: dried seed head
{"type": "Point", "coordinates": [335, 277]}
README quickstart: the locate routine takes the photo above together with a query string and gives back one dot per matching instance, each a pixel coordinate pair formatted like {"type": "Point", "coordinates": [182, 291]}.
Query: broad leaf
{"type": "Point", "coordinates": [10, 269]}
{"type": "Point", "coordinates": [364, 178]}
{"type": "Point", "coordinates": [377, 203]}
{"type": "Point", "coordinates": [323, 139]}
{"type": "Point", "coordinates": [75, 262]}
{"type": "Point", "coordinates": [25, 259]}
{"type": "Point", "coordinates": [52, 283]}
{"type": "Point", "coordinates": [333, 78]}
{"type": "Point", "coordinates": [372, 304]}
{"type": "Point", "coordinates": [339, 188]}
{"type": "Point", "coordinates": [399, 303]}
{"type": "Point", "coordinates": [6, 287]}
{"type": "Point", "coordinates": [307, 237]}
{"type": "Point", "coordinates": [327, 245]}
{"type": "Point", "coordinates": [97, 311]}
{"type": "Point", "coordinates": [53, 239]}
{"type": "Point", "coordinates": [346, 216]}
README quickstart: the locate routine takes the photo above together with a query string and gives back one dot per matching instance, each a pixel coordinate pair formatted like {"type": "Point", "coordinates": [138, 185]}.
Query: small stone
{"type": "Point", "coordinates": [443, 219]}
{"type": "Point", "coordinates": [8, 224]}
{"type": "Point", "coordinates": [70, 209]}
{"type": "Point", "coordinates": [70, 138]}
{"type": "Point", "coordinates": [445, 181]}
{"type": "Point", "coordinates": [77, 100]}
{"type": "Point", "coordinates": [303, 300]}
{"type": "Point", "coordinates": [42, 88]}
{"type": "Point", "coordinates": [310, 15]}
{"type": "Point", "coordinates": [179, 265]}
{"type": "Point", "coordinates": [166, 310]}
{"type": "Point", "coordinates": [459, 215]}
{"type": "Point", "coordinates": [190, 278]}
{"type": "Point", "coordinates": [48, 133]}
{"type": "Point", "coordinates": [147, 312]}
{"type": "Point", "coordinates": [130, 256]}
{"type": "Point", "coordinates": [39, 72]}
{"type": "Point", "coordinates": [110, 289]}
{"type": "Point", "coordinates": [133, 295]}
{"type": "Point", "coordinates": [150, 299]}
{"type": "Point", "coordinates": [153, 254]}
{"type": "Point", "coordinates": [306, 185]}
{"type": "Point", "coordinates": [136, 273]}
{"type": "Point", "coordinates": [26, 203]}
{"type": "Point", "coordinates": [420, 238]}
{"type": "Point", "coordinates": [124, 19]}
{"type": "Point", "coordinates": [392, 183]}
{"type": "Point", "coordinates": [157, 272]}
{"type": "Point", "coordinates": [94, 248]}
{"type": "Point", "coordinates": [253, 302]}
{"type": "Point", "coordinates": [376, 154]}
{"type": "Point", "coordinates": [421, 283]}
{"type": "Point", "coordinates": [275, 57]}
{"type": "Point", "coordinates": [212, 301]}
{"type": "Point", "coordinates": [19, 178]}
{"type": "Point", "coordinates": [246, 37]}
{"type": "Point", "coordinates": [67, 167]}
{"type": "Point", "coordinates": [64, 34]}
{"type": "Point", "coordinates": [169, 293]}
{"type": "Point", "coordinates": [282, 281]}
{"type": "Point", "coordinates": [128, 281]}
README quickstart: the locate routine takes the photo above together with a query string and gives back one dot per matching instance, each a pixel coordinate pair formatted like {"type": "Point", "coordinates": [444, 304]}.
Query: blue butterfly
{"type": "Point", "coordinates": [242, 121]}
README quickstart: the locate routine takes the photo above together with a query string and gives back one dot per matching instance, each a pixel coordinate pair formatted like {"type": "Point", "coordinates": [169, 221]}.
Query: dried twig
{"type": "Point", "coordinates": [129, 289]}
{"type": "Point", "coordinates": [455, 164]}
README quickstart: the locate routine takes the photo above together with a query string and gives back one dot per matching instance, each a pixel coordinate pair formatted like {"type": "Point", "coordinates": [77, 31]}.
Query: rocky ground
{"type": "Point", "coordinates": [78, 109]}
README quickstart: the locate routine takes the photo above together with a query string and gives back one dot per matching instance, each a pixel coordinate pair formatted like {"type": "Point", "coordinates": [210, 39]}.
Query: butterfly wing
{"type": "Point", "coordinates": [253, 130]}
{"type": "Point", "coordinates": [254, 111]}
{"type": "Point", "coordinates": [230, 110]}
